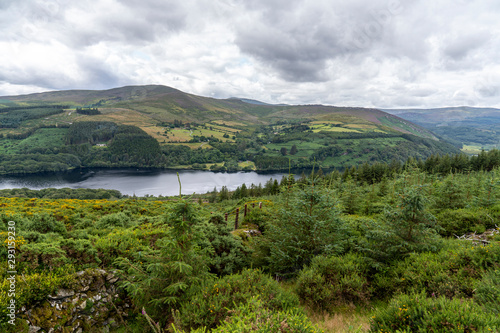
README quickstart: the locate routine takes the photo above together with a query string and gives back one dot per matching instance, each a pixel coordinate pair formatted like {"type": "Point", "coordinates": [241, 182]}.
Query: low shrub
{"type": "Point", "coordinates": [256, 317]}
{"type": "Point", "coordinates": [258, 217]}
{"type": "Point", "coordinates": [132, 243]}
{"type": "Point", "coordinates": [451, 272]}
{"type": "Point", "coordinates": [417, 313]}
{"type": "Point", "coordinates": [35, 287]}
{"type": "Point", "coordinates": [227, 253]}
{"type": "Point", "coordinates": [42, 256]}
{"type": "Point", "coordinates": [80, 251]}
{"type": "Point", "coordinates": [332, 281]}
{"type": "Point", "coordinates": [488, 291]}
{"type": "Point", "coordinates": [114, 220]}
{"type": "Point", "coordinates": [215, 302]}
{"type": "Point", "coordinates": [461, 221]}
{"type": "Point", "coordinates": [45, 223]}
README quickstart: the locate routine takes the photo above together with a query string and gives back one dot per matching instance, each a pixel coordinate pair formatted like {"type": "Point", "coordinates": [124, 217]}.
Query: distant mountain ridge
{"type": "Point", "coordinates": [478, 128]}
{"type": "Point", "coordinates": [162, 103]}
{"type": "Point", "coordinates": [445, 114]}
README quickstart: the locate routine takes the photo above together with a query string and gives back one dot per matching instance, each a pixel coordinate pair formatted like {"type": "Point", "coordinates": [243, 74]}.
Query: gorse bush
{"type": "Point", "coordinates": [332, 281]}
{"type": "Point", "coordinates": [35, 287]}
{"type": "Point", "coordinates": [80, 251]}
{"type": "Point", "coordinates": [114, 220]}
{"type": "Point", "coordinates": [42, 256]}
{"type": "Point", "coordinates": [131, 243]}
{"type": "Point", "coordinates": [45, 223]}
{"type": "Point", "coordinates": [417, 313]}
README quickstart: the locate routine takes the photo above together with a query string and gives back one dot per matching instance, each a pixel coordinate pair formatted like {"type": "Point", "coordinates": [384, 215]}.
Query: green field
{"type": "Point", "coordinates": [43, 138]}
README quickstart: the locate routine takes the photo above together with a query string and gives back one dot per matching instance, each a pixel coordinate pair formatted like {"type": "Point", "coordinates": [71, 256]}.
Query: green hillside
{"type": "Point", "coordinates": [198, 132]}
{"type": "Point", "coordinates": [472, 129]}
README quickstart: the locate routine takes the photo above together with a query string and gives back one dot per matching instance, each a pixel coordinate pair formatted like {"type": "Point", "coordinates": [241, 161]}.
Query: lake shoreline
{"type": "Point", "coordinates": [140, 181]}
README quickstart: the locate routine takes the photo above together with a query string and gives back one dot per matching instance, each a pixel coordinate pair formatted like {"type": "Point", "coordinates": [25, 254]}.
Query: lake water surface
{"type": "Point", "coordinates": [140, 182]}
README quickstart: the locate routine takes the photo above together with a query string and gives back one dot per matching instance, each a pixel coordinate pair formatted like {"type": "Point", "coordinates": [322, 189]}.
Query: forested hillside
{"type": "Point", "coordinates": [60, 131]}
{"type": "Point", "coordinates": [406, 247]}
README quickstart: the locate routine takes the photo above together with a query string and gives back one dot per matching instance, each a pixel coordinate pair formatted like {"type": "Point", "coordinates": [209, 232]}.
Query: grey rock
{"type": "Point", "coordinates": [62, 293]}
{"type": "Point", "coordinates": [34, 329]}
{"type": "Point", "coordinates": [114, 280]}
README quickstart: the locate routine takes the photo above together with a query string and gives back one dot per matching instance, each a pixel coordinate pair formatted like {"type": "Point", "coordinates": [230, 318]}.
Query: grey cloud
{"type": "Point", "coordinates": [300, 39]}
{"type": "Point", "coordinates": [37, 79]}
{"type": "Point", "coordinates": [97, 75]}
{"type": "Point", "coordinates": [461, 46]}
{"type": "Point", "coordinates": [345, 52]}
{"type": "Point", "coordinates": [134, 22]}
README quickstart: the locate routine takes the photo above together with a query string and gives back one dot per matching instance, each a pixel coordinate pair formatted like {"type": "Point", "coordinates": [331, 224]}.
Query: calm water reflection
{"type": "Point", "coordinates": [140, 182]}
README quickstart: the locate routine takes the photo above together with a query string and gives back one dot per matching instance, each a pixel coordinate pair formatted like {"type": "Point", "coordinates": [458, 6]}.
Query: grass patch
{"type": "Point", "coordinates": [343, 320]}
{"type": "Point", "coordinates": [247, 164]}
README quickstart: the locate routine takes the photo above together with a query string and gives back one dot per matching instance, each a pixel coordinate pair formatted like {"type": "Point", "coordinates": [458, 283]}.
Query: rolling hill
{"type": "Point", "coordinates": [472, 128]}
{"type": "Point", "coordinates": [161, 103]}
{"type": "Point", "coordinates": [199, 132]}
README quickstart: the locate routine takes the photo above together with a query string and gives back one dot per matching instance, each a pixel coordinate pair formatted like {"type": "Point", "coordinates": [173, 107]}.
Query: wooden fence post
{"type": "Point", "coordinates": [225, 217]}
{"type": "Point", "coordinates": [236, 218]}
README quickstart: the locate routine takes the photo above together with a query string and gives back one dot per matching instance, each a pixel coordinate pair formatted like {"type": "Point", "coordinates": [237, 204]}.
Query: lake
{"type": "Point", "coordinates": [140, 182]}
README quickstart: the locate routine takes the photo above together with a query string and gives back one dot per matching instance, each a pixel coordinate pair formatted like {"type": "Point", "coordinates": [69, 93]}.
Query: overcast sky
{"type": "Point", "coordinates": [370, 53]}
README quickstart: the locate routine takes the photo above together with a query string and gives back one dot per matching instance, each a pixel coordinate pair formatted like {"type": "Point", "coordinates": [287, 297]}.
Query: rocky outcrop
{"type": "Point", "coordinates": [94, 305]}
